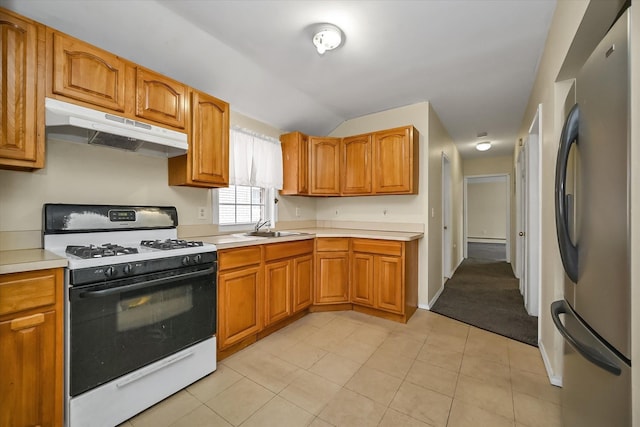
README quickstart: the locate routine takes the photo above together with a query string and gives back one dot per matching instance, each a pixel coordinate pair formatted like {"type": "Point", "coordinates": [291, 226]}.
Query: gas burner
{"type": "Point", "coordinates": [105, 250]}
{"type": "Point", "coordinates": [170, 244]}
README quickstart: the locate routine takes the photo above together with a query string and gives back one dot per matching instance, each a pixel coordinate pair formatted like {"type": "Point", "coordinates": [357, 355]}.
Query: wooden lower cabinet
{"type": "Point", "coordinates": [260, 289]}
{"type": "Point", "coordinates": [239, 294]}
{"type": "Point", "coordinates": [238, 302]}
{"type": "Point", "coordinates": [277, 291]}
{"type": "Point", "coordinates": [31, 348]}
{"type": "Point", "coordinates": [384, 276]}
{"type": "Point", "coordinates": [302, 282]}
{"type": "Point", "coordinates": [362, 279]}
{"type": "Point", "coordinates": [332, 271]}
{"type": "Point", "coordinates": [288, 279]}
{"type": "Point", "coordinates": [388, 283]}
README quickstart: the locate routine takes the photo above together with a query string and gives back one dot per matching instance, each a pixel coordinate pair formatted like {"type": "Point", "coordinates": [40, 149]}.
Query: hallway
{"type": "Point", "coordinates": [484, 293]}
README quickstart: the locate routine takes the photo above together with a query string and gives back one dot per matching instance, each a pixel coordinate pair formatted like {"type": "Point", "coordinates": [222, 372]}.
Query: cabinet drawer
{"type": "Point", "coordinates": [23, 291]}
{"type": "Point", "coordinates": [332, 244]}
{"type": "Point", "coordinates": [381, 247]}
{"type": "Point", "coordinates": [287, 249]}
{"type": "Point", "coordinates": [234, 258]}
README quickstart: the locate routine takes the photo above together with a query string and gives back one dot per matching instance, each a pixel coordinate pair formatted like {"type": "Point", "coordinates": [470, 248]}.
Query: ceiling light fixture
{"type": "Point", "coordinates": [483, 146]}
{"type": "Point", "coordinates": [327, 37]}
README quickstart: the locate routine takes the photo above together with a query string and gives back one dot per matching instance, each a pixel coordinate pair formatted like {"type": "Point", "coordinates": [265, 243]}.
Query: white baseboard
{"type": "Point", "coordinates": [435, 298]}
{"type": "Point", "coordinates": [554, 379]}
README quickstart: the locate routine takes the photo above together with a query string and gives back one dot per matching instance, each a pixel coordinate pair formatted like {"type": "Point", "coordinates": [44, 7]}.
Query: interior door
{"type": "Point", "coordinates": [446, 219]}
{"type": "Point", "coordinates": [521, 246]}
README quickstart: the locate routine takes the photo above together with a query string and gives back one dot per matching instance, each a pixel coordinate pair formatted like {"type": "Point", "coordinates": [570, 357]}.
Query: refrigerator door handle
{"type": "Point", "coordinates": [588, 352]}
{"type": "Point", "coordinates": [568, 251]}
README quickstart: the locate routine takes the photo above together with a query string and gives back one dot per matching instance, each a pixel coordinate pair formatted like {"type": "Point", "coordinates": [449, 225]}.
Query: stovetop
{"type": "Point", "coordinates": [105, 235]}
{"type": "Point", "coordinates": [109, 248]}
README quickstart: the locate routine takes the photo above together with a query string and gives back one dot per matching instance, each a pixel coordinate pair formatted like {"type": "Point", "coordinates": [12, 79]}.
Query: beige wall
{"type": "Point", "coordinates": [487, 210]}
{"type": "Point", "coordinates": [405, 209]}
{"type": "Point", "coordinates": [80, 173]}
{"type": "Point", "coordinates": [440, 143]}
{"type": "Point", "coordinates": [488, 165]}
{"type": "Point", "coordinates": [570, 39]}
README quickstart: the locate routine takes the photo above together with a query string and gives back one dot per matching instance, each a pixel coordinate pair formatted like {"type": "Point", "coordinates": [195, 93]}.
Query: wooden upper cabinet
{"type": "Point", "coordinates": [395, 153]}
{"type": "Point", "coordinates": [22, 89]}
{"type": "Point", "coordinates": [383, 162]}
{"type": "Point", "coordinates": [356, 165]}
{"type": "Point", "coordinates": [295, 159]}
{"type": "Point", "coordinates": [325, 166]}
{"type": "Point", "coordinates": [161, 99]}
{"type": "Point", "coordinates": [209, 146]}
{"type": "Point", "coordinates": [86, 73]}
{"type": "Point", "coordinates": [207, 162]}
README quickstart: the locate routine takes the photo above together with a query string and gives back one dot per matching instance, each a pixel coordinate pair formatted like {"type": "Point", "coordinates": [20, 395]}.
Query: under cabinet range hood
{"type": "Point", "coordinates": [70, 122]}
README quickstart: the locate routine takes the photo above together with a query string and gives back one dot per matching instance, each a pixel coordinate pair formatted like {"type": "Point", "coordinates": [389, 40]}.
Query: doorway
{"type": "Point", "coordinates": [487, 217]}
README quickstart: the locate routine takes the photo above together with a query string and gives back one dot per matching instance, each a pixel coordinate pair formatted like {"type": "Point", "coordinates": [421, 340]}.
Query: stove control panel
{"type": "Point", "coordinates": [125, 270]}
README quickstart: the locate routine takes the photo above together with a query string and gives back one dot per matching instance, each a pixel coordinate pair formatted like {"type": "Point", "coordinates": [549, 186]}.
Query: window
{"type": "Point", "coordinates": [255, 172]}
{"type": "Point", "coordinates": [240, 204]}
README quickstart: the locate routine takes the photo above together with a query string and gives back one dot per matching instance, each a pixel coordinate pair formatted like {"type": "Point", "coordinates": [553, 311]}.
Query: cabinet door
{"type": "Point", "coordinates": [22, 90]}
{"type": "Point", "coordinates": [325, 166]}
{"type": "Point", "coordinates": [332, 277]}
{"type": "Point", "coordinates": [302, 282]}
{"type": "Point", "coordinates": [394, 161]}
{"type": "Point", "coordinates": [295, 161]}
{"type": "Point", "coordinates": [160, 99]}
{"type": "Point", "coordinates": [356, 165]}
{"type": "Point", "coordinates": [238, 305]}
{"type": "Point", "coordinates": [277, 296]}
{"type": "Point", "coordinates": [209, 145]}
{"type": "Point", "coordinates": [88, 74]}
{"type": "Point", "coordinates": [389, 285]}
{"type": "Point", "coordinates": [362, 279]}
{"type": "Point", "coordinates": [27, 379]}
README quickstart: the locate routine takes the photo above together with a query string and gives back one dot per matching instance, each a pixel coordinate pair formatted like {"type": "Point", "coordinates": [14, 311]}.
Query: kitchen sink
{"type": "Point", "coordinates": [271, 233]}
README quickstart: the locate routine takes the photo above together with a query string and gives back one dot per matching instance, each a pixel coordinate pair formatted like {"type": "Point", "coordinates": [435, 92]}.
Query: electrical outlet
{"type": "Point", "coordinates": [433, 213]}
{"type": "Point", "coordinates": [297, 211]}
{"type": "Point", "coordinates": [202, 212]}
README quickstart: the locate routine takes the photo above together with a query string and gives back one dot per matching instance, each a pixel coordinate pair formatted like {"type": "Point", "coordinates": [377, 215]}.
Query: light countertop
{"type": "Point", "coordinates": [16, 261]}
{"type": "Point", "coordinates": [226, 241]}
{"type": "Point", "coordinates": [28, 260]}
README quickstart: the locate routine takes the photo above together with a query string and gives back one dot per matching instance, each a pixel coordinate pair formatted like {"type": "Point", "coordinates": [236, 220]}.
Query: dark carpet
{"type": "Point", "coordinates": [484, 293]}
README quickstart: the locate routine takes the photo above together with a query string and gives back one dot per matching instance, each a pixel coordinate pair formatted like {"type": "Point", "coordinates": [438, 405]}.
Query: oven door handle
{"type": "Point", "coordinates": [145, 284]}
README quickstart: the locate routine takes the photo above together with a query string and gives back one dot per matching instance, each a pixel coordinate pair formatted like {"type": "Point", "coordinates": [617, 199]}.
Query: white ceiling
{"type": "Point", "coordinates": [474, 60]}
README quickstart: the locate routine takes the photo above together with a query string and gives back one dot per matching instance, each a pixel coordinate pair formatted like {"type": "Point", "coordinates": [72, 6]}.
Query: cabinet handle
{"type": "Point", "coordinates": [27, 322]}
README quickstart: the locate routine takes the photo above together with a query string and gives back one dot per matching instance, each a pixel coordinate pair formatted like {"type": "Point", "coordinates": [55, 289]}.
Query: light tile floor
{"type": "Point", "coordinates": [351, 369]}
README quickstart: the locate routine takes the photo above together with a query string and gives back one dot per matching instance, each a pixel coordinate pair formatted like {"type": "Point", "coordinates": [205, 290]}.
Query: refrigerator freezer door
{"type": "Point", "coordinates": [603, 288]}
{"type": "Point", "coordinates": [596, 385]}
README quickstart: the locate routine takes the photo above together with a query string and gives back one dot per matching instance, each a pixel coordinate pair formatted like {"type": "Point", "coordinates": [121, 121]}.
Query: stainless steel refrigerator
{"type": "Point", "coordinates": [593, 227]}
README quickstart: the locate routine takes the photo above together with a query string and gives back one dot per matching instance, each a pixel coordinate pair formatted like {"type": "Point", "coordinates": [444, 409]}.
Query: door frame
{"type": "Point", "coordinates": [534, 215]}
{"type": "Point", "coordinates": [499, 176]}
{"type": "Point", "coordinates": [447, 240]}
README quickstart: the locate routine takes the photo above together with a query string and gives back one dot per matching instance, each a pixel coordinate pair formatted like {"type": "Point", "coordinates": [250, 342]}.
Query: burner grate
{"type": "Point", "coordinates": [105, 250]}
{"type": "Point", "coordinates": [170, 244]}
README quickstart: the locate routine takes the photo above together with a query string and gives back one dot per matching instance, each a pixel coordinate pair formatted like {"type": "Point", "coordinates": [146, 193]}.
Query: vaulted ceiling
{"type": "Point", "coordinates": [474, 60]}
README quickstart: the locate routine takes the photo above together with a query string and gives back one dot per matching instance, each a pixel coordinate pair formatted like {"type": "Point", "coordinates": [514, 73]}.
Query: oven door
{"type": "Point", "coordinates": [119, 326]}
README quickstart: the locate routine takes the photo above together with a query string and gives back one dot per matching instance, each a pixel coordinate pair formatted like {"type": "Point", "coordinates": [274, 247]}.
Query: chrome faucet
{"type": "Point", "coordinates": [260, 224]}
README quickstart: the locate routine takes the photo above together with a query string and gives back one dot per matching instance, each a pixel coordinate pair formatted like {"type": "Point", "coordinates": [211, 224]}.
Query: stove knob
{"type": "Point", "coordinates": [127, 269]}
{"type": "Point", "coordinates": [110, 271]}
{"type": "Point", "coordinates": [185, 260]}
{"type": "Point", "coordinates": [197, 259]}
